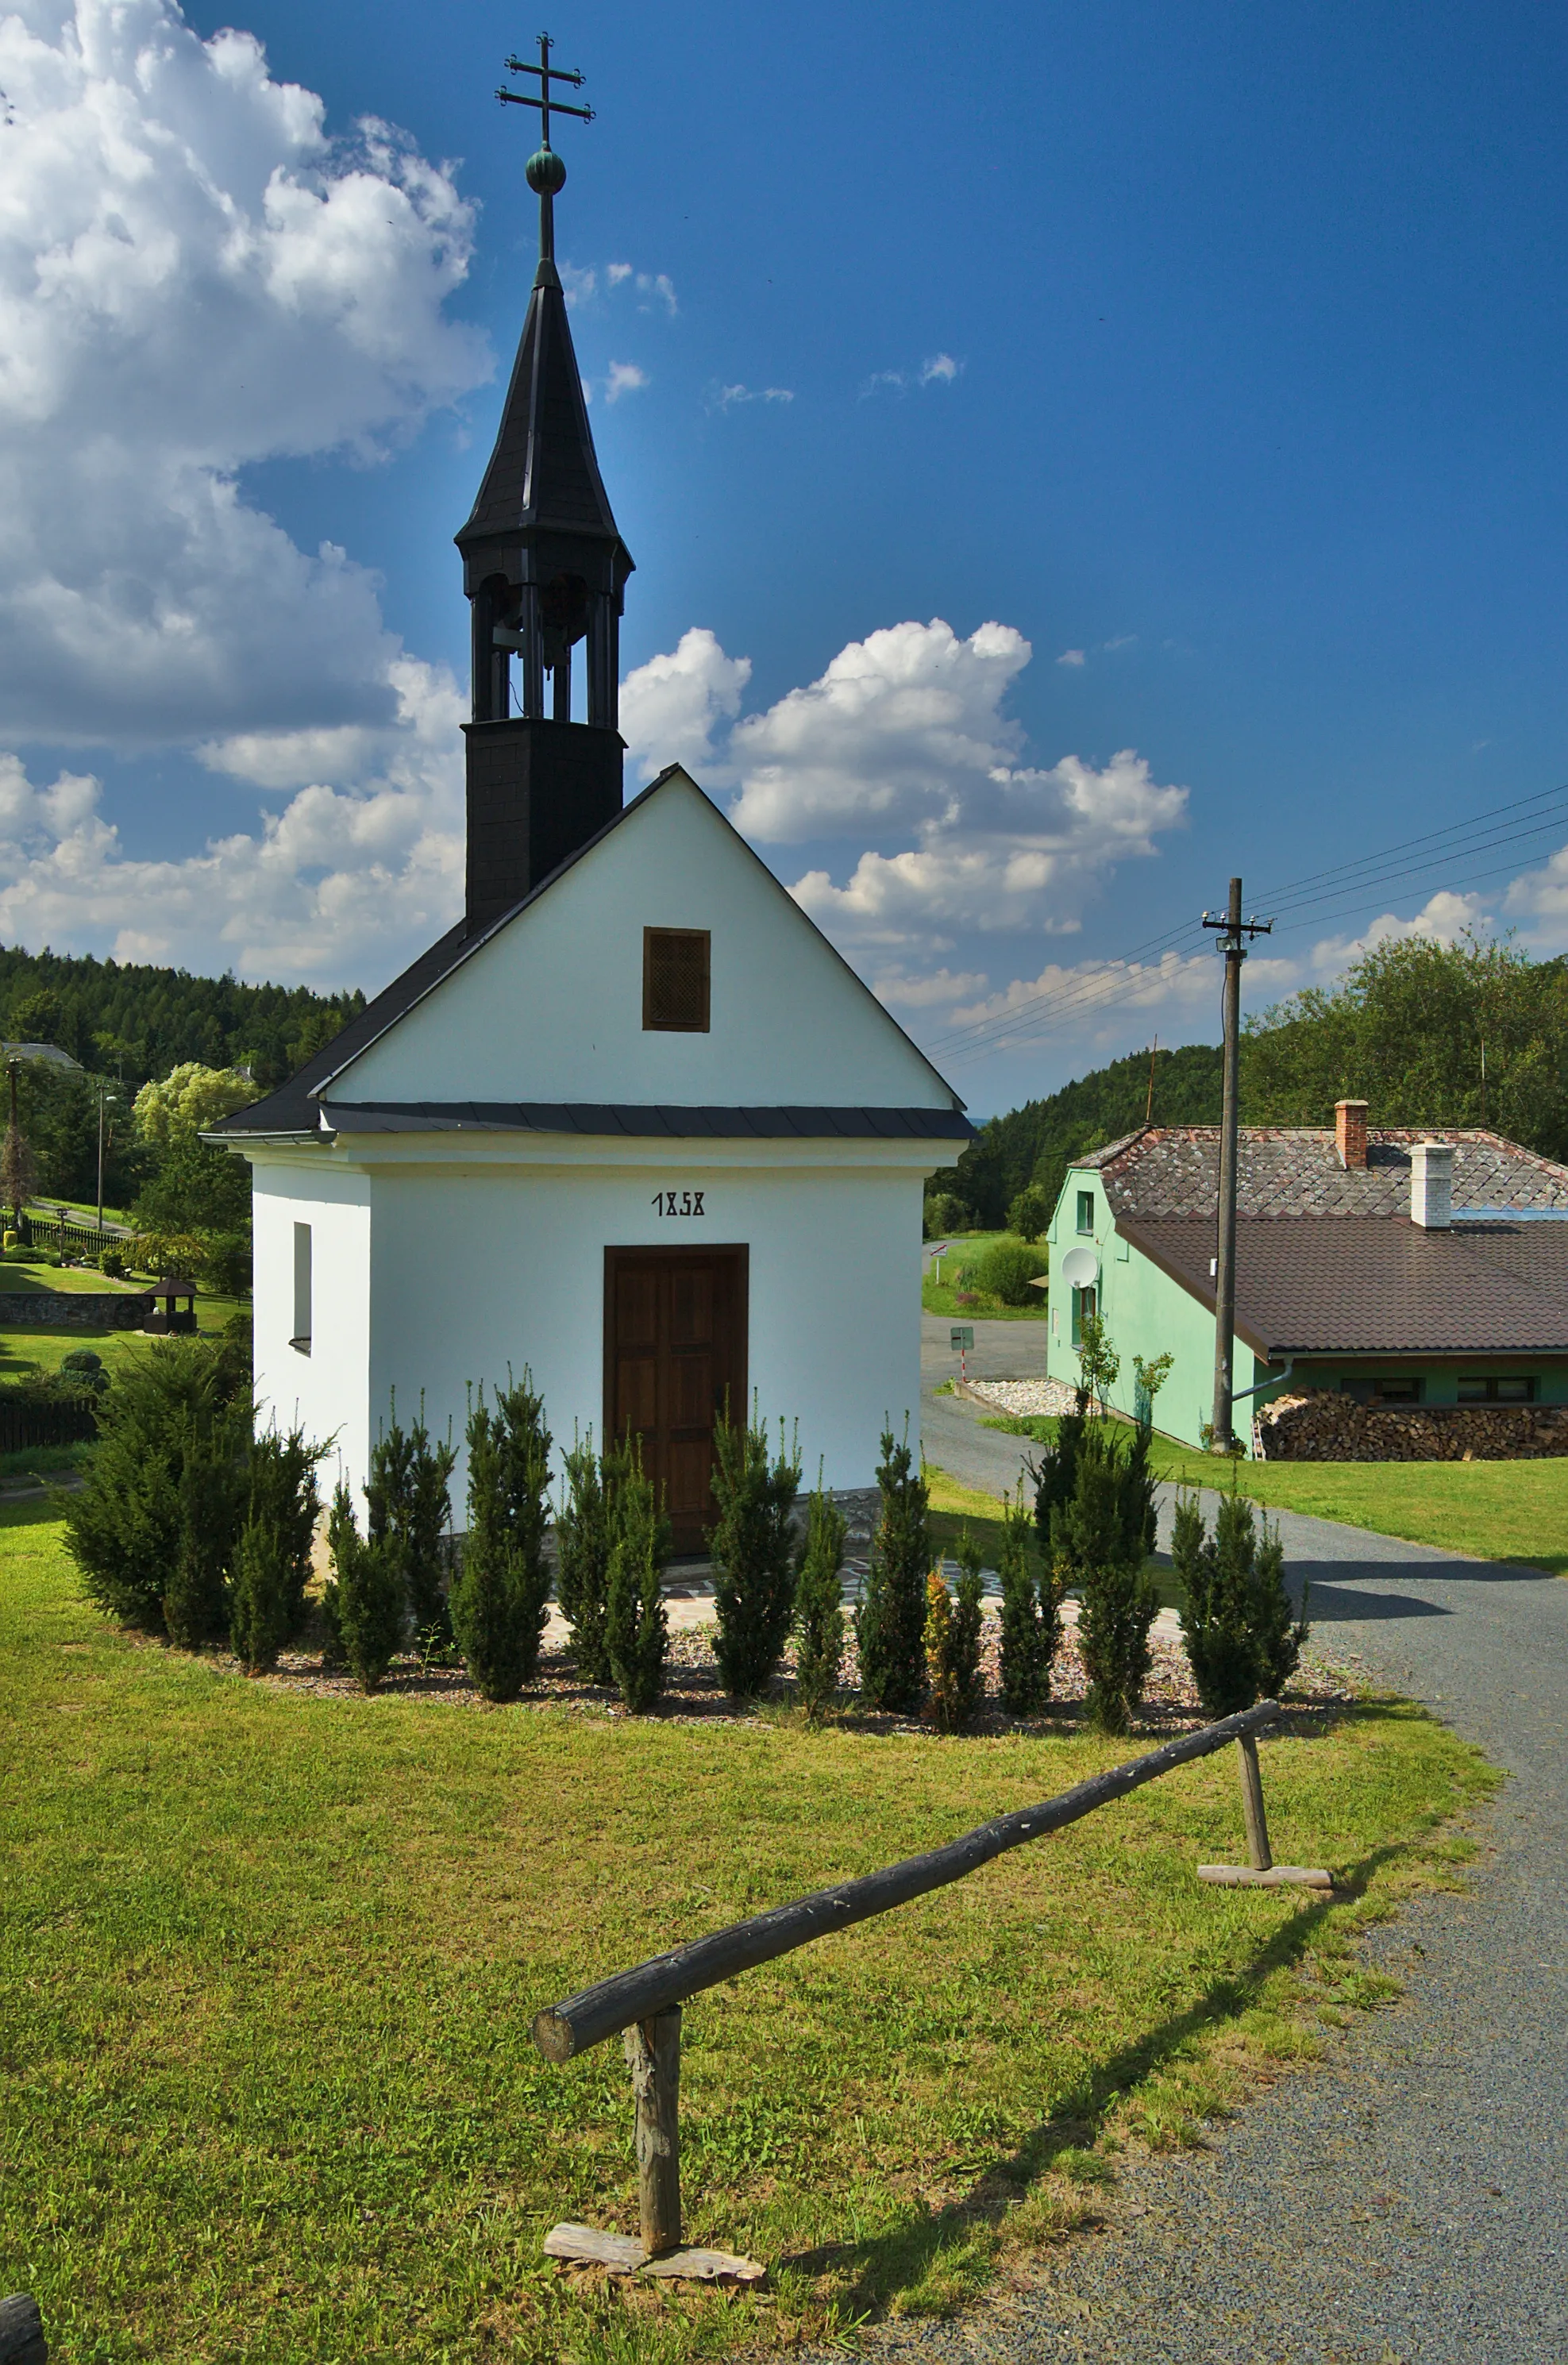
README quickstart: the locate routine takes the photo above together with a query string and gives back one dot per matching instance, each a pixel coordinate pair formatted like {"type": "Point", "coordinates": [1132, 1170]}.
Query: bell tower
{"type": "Point", "coordinates": [545, 570]}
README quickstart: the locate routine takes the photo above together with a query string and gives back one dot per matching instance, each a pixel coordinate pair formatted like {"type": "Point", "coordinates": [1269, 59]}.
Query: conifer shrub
{"type": "Point", "coordinates": [488, 1609]}
{"type": "Point", "coordinates": [196, 1599]}
{"type": "Point", "coordinates": [636, 1632]}
{"type": "Point", "coordinates": [753, 1553]}
{"type": "Point", "coordinates": [1100, 1545]}
{"type": "Point", "coordinates": [1242, 1638]}
{"type": "Point", "coordinates": [408, 1498]}
{"type": "Point", "coordinates": [954, 1684]}
{"type": "Point", "coordinates": [366, 1606]}
{"type": "Point", "coordinates": [584, 1534]}
{"type": "Point", "coordinates": [258, 1610]}
{"type": "Point", "coordinates": [1031, 1615]}
{"type": "Point", "coordinates": [819, 1607]}
{"type": "Point", "coordinates": [523, 1445]}
{"type": "Point", "coordinates": [123, 1525]}
{"type": "Point", "coordinates": [283, 1496]}
{"type": "Point", "coordinates": [890, 1624]}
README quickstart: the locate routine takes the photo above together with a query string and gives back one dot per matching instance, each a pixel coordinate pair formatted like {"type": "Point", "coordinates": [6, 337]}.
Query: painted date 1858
{"type": "Point", "coordinates": [677, 1202]}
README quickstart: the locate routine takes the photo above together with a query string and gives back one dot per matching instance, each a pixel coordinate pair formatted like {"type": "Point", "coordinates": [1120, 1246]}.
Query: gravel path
{"type": "Point", "coordinates": [1405, 2202]}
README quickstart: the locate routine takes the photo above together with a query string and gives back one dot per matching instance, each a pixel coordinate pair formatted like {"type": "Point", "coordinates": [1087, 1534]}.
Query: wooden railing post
{"type": "Point", "coordinates": [652, 2049]}
{"type": "Point", "coordinates": [1257, 1854]}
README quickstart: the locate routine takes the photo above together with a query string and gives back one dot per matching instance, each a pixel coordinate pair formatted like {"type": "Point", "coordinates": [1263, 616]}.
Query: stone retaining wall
{"type": "Point", "coordinates": [1324, 1427]}
{"type": "Point", "coordinates": [62, 1309]}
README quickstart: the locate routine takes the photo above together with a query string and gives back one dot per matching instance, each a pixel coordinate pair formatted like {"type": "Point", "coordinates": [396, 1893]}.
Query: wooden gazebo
{"type": "Point", "coordinates": [174, 1306]}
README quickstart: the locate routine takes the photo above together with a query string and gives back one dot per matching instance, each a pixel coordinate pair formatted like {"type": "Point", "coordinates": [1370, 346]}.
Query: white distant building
{"type": "Point", "coordinates": [632, 1122]}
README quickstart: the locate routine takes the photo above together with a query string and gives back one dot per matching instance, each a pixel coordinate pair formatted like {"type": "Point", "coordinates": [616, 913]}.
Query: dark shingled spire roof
{"type": "Point", "coordinates": [544, 472]}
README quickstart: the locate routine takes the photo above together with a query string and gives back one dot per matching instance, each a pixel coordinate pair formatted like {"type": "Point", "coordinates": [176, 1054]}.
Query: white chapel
{"type": "Point", "coordinates": [632, 1123]}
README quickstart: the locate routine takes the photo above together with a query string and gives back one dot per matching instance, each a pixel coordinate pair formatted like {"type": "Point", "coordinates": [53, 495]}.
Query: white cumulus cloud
{"type": "Point", "coordinates": [671, 706]}
{"type": "Point", "coordinates": [194, 277]}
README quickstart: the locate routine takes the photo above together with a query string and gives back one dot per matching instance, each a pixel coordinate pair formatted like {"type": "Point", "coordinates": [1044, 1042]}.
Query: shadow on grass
{"type": "Point", "coordinates": [902, 2259]}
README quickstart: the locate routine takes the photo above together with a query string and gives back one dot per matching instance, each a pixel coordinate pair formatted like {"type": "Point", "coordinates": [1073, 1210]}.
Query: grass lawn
{"type": "Point", "coordinates": [967, 1247]}
{"type": "Point", "coordinates": [268, 1960]}
{"type": "Point", "coordinates": [1496, 1510]}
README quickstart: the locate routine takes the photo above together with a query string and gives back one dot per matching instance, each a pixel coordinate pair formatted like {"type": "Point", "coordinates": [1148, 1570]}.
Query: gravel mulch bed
{"type": "Point", "coordinates": [1025, 1397]}
{"type": "Point", "coordinates": [693, 1693]}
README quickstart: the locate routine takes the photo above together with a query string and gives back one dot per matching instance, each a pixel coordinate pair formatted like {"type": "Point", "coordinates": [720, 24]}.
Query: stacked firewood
{"type": "Point", "coordinates": [1323, 1427]}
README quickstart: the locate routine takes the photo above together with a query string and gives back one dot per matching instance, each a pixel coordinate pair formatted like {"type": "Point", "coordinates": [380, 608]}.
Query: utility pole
{"type": "Point", "coordinates": [1235, 930]}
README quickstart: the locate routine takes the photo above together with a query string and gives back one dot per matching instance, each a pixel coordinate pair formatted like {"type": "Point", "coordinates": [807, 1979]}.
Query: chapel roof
{"type": "Point", "coordinates": [1286, 1170]}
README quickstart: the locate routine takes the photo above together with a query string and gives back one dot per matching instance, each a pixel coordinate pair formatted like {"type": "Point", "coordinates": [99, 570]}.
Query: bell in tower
{"type": "Point", "coordinates": [545, 570]}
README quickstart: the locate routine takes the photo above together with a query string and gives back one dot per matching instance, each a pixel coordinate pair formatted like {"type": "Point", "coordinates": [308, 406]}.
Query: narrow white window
{"type": "Point", "coordinates": [301, 1339]}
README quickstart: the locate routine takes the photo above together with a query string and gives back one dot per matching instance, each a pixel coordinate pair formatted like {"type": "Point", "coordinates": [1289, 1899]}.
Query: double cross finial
{"type": "Point", "coordinates": [547, 172]}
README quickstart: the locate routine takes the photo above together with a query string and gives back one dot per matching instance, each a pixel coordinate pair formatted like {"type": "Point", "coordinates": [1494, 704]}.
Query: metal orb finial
{"type": "Point", "coordinates": [547, 172]}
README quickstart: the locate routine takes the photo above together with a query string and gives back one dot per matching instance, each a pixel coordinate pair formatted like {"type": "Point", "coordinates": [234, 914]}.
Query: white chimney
{"type": "Point", "coordinates": [1432, 1185]}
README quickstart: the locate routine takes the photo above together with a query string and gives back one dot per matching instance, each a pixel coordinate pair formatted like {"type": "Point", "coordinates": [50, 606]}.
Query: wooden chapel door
{"type": "Point", "coordinates": [675, 1349]}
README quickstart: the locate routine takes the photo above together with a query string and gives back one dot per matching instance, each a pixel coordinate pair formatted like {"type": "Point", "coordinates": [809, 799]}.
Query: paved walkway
{"type": "Point", "coordinates": [1405, 2202]}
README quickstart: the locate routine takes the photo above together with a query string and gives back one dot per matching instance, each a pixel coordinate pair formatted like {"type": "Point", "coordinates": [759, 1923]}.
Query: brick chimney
{"type": "Point", "coordinates": [1350, 1135]}
{"type": "Point", "coordinates": [1432, 1185]}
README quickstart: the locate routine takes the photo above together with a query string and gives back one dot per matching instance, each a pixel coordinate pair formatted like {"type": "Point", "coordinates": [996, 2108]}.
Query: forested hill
{"type": "Point", "coordinates": [134, 1021]}
{"type": "Point", "coordinates": [1038, 1142]}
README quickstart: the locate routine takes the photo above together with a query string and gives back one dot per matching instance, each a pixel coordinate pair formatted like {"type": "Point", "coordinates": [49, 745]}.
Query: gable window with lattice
{"type": "Point", "coordinates": [675, 966]}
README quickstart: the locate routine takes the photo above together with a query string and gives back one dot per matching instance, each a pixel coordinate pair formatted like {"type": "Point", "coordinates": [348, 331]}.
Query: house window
{"type": "Point", "coordinates": [1084, 1302]}
{"type": "Point", "coordinates": [1498, 1391]}
{"type": "Point", "coordinates": [1086, 1211]}
{"type": "Point", "coordinates": [675, 981]}
{"type": "Point", "coordinates": [301, 1339]}
{"type": "Point", "coordinates": [1399, 1389]}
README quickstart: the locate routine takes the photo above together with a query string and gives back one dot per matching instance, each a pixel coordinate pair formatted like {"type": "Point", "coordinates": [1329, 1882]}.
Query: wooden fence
{"type": "Point", "coordinates": [25, 1426]}
{"type": "Point", "coordinates": [644, 2004]}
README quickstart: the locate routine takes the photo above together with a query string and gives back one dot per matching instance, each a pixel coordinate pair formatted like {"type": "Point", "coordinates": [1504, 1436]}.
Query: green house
{"type": "Point", "coordinates": [1397, 1266]}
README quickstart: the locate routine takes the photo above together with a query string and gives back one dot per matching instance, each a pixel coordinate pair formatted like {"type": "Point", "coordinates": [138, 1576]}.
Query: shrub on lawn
{"type": "Point", "coordinates": [224, 1264]}
{"type": "Point", "coordinates": [82, 1369]}
{"type": "Point", "coordinates": [500, 1602]}
{"type": "Point", "coordinates": [636, 1632]}
{"type": "Point", "coordinates": [952, 1642]}
{"type": "Point", "coordinates": [285, 1498]}
{"type": "Point", "coordinates": [1100, 1543]}
{"type": "Point", "coordinates": [753, 1553]}
{"type": "Point", "coordinates": [1007, 1269]}
{"type": "Point", "coordinates": [123, 1526]}
{"type": "Point", "coordinates": [407, 1495]}
{"type": "Point", "coordinates": [1240, 1630]}
{"type": "Point", "coordinates": [365, 1605]}
{"type": "Point", "coordinates": [1031, 1615]}
{"type": "Point", "coordinates": [259, 1606]}
{"type": "Point", "coordinates": [890, 1624]}
{"type": "Point", "coordinates": [1030, 1213]}
{"type": "Point", "coordinates": [818, 1607]}
{"type": "Point", "coordinates": [583, 1533]}
{"type": "Point", "coordinates": [111, 1264]}
{"type": "Point", "coordinates": [196, 1599]}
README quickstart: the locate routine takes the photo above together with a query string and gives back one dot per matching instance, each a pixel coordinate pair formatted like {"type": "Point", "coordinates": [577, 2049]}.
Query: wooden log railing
{"type": "Point", "coordinates": [645, 2001]}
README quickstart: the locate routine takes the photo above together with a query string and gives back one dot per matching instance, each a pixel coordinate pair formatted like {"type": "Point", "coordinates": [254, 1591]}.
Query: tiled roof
{"type": "Point", "coordinates": [1286, 1171]}
{"type": "Point", "coordinates": [1364, 1285]}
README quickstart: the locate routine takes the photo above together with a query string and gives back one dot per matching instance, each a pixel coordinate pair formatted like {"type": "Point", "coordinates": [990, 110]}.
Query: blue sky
{"type": "Point", "coordinates": [1216, 355]}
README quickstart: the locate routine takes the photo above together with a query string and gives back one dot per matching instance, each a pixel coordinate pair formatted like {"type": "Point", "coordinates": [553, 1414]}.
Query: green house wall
{"type": "Point", "coordinates": [1146, 1313]}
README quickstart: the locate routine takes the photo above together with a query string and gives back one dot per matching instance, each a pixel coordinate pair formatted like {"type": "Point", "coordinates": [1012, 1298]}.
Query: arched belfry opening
{"type": "Point", "coordinates": [545, 570]}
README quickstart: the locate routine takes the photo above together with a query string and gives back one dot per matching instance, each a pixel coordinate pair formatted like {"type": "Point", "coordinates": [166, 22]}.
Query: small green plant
{"type": "Point", "coordinates": [258, 1614]}
{"type": "Point", "coordinates": [1100, 1543]}
{"type": "Point", "coordinates": [283, 1498]}
{"type": "Point", "coordinates": [1243, 1640]}
{"type": "Point", "coordinates": [753, 1553]}
{"type": "Point", "coordinates": [524, 1444]}
{"type": "Point", "coordinates": [1030, 1213]}
{"type": "Point", "coordinates": [366, 1606]}
{"type": "Point", "coordinates": [955, 1686]}
{"type": "Point", "coordinates": [489, 1611]}
{"type": "Point", "coordinates": [818, 1607]}
{"type": "Point", "coordinates": [1008, 1271]}
{"type": "Point", "coordinates": [111, 1264]}
{"type": "Point", "coordinates": [636, 1629]}
{"type": "Point", "coordinates": [195, 1599]}
{"type": "Point", "coordinates": [1031, 1615]}
{"type": "Point", "coordinates": [408, 1497]}
{"type": "Point", "coordinates": [584, 1534]}
{"type": "Point", "coordinates": [889, 1623]}
{"type": "Point", "coordinates": [123, 1526]}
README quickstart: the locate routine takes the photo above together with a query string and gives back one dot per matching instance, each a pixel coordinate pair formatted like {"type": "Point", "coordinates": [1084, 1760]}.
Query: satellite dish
{"type": "Point", "coordinates": [1079, 1268]}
